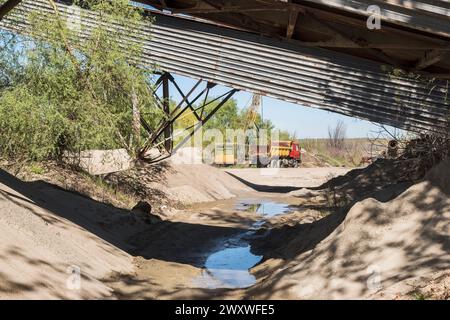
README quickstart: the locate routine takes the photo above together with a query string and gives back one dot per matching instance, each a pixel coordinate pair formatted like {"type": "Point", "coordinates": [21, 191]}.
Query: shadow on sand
{"type": "Point", "coordinates": [265, 188]}
{"type": "Point", "coordinates": [170, 241]}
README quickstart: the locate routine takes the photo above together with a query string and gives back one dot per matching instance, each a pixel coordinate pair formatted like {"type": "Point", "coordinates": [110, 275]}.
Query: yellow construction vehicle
{"type": "Point", "coordinates": [225, 155]}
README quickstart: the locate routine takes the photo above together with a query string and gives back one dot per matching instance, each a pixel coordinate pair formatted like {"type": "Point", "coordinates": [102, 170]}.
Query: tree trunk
{"type": "Point", "coordinates": [136, 122]}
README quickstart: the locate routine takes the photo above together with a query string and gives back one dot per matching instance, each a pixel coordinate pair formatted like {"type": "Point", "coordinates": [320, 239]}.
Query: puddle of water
{"type": "Point", "coordinates": [265, 208]}
{"type": "Point", "coordinates": [229, 267]}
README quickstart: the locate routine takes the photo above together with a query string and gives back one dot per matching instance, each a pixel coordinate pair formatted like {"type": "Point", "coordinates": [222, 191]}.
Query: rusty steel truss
{"type": "Point", "coordinates": [160, 144]}
{"type": "Point", "coordinates": [7, 6]}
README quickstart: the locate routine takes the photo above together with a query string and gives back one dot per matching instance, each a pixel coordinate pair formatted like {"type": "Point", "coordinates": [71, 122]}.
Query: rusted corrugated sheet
{"type": "Point", "coordinates": [307, 76]}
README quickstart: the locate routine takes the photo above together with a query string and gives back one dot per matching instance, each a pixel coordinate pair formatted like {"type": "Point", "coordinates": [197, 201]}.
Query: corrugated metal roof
{"type": "Point", "coordinates": [412, 35]}
{"type": "Point", "coordinates": [303, 75]}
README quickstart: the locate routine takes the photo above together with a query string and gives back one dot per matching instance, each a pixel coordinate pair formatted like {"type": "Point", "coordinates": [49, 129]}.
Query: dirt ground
{"type": "Point", "coordinates": [45, 230]}
{"type": "Point", "coordinates": [174, 253]}
{"type": "Point", "coordinates": [393, 244]}
{"type": "Point", "coordinates": [282, 180]}
{"type": "Point", "coordinates": [365, 248]}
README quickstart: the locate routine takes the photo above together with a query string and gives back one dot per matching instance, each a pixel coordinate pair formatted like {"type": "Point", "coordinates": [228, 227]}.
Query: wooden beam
{"type": "Point", "coordinates": [293, 16]}
{"type": "Point", "coordinates": [395, 12]}
{"type": "Point", "coordinates": [163, 3]}
{"type": "Point", "coordinates": [247, 23]}
{"type": "Point", "coordinates": [230, 9]}
{"type": "Point", "coordinates": [429, 58]}
{"type": "Point", "coordinates": [212, 3]}
{"type": "Point", "coordinates": [361, 43]}
{"type": "Point", "coordinates": [7, 7]}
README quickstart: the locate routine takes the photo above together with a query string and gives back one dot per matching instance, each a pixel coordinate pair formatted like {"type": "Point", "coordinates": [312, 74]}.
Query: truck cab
{"type": "Point", "coordinates": [296, 152]}
{"type": "Point", "coordinates": [285, 154]}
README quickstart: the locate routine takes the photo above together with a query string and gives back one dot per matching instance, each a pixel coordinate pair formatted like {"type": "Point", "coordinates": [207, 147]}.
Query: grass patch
{"type": "Point", "coordinates": [350, 154]}
{"type": "Point", "coordinates": [109, 191]}
{"type": "Point", "coordinates": [417, 295]}
{"type": "Point", "coordinates": [36, 168]}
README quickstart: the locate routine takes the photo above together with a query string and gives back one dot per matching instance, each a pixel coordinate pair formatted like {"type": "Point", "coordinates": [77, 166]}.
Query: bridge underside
{"type": "Point", "coordinates": [414, 35]}
{"type": "Point", "coordinates": [283, 69]}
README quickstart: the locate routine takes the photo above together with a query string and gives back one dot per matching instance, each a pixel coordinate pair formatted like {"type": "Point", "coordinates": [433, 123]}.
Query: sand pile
{"type": "Point", "coordinates": [164, 185]}
{"type": "Point", "coordinates": [46, 234]}
{"type": "Point", "coordinates": [381, 249]}
{"type": "Point", "coordinates": [360, 183]}
{"type": "Point", "coordinates": [168, 184]}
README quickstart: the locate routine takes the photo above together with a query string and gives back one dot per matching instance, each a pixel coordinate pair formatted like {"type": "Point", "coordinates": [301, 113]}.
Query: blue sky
{"type": "Point", "coordinates": [304, 121]}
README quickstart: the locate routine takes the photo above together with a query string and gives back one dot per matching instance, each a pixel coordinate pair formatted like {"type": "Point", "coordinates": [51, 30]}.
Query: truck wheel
{"type": "Point", "coordinates": [273, 163]}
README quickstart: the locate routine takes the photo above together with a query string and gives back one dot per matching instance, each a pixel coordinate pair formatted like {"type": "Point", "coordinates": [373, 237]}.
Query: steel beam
{"type": "Point", "coordinates": [7, 7]}
{"type": "Point", "coordinates": [166, 108]}
{"type": "Point", "coordinates": [162, 138]}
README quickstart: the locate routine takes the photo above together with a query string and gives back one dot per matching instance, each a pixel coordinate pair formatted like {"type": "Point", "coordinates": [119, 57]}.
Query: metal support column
{"type": "Point", "coordinates": [168, 142]}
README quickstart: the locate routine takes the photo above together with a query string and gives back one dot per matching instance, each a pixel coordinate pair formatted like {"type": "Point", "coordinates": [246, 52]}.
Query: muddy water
{"type": "Point", "coordinates": [228, 266]}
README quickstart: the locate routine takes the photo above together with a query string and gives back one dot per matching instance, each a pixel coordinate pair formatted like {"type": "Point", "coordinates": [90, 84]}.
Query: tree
{"type": "Point", "coordinates": [67, 93]}
{"type": "Point", "coordinates": [286, 135]}
{"type": "Point", "coordinates": [336, 135]}
{"type": "Point", "coordinates": [227, 117]}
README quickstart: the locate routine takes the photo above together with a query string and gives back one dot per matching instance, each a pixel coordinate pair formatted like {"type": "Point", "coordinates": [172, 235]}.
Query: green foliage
{"type": "Point", "coordinates": [286, 135]}
{"type": "Point", "coordinates": [36, 169]}
{"type": "Point", "coordinates": [229, 117]}
{"type": "Point", "coordinates": [29, 126]}
{"type": "Point", "coordinates": [417, 295]}
{"type": "Point", "coordinates": [65, 93]}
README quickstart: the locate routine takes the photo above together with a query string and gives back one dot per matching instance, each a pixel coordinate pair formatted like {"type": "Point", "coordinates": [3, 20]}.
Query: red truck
{"type": "Point", "coordinates": [281, 154]}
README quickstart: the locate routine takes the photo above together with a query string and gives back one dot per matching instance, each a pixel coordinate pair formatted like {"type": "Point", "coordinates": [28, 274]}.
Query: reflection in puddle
{"type": "Point", "coordinates": [229, 266]}
{"type": "Point", "coordinates": [266, 208]}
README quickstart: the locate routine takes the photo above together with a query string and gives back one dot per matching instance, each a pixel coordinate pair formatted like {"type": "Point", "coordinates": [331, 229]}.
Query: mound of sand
{"type": "Point", "coordinates": [47, 234]}
{"type": "Point", "coordinates": [168, 183]}
{"type": "Point", "coordinates": [164, 185]}
{"type": "Point", "coordinates": [384, 180]}
{"type": "Point", "coordinates": [380, 250]}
